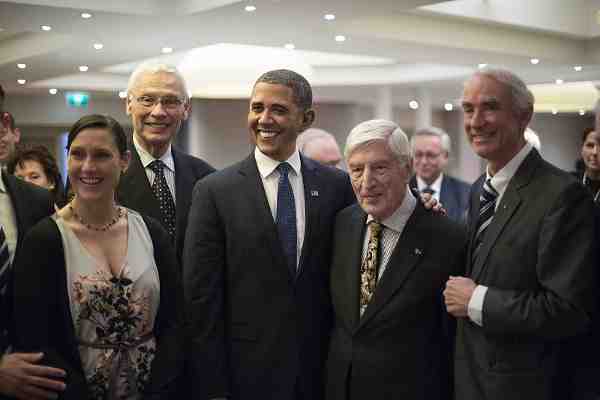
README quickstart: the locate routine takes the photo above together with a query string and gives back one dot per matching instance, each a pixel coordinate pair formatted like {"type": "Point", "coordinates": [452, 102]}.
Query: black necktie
{"type": "Point", "coordinates": [428, 190]}
{"type": "Point", "coordinates": [286, 217]}
{"type": "Point", "coordinates": [487, 206]}
{"type": "Point", "coordinates": [163, 195]}
{"type": "Point", "coordinates": [4, 262]}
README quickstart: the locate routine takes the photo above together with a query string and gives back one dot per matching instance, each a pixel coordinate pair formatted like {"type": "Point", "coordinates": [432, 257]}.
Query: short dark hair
{"type": "Point", "coordinates": [586, 132]}
{"type": "Point", "coordinates": [301, 90]}
{"type": "Point", "coordinates": [12, 125]}
{"type": "Point", "coordinates": [102, 122]}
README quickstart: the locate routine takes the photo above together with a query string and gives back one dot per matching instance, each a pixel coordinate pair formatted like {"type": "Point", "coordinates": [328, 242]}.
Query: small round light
{"type": "Point", "coordinates": [46, 28]}
{"type": "Point", "coordinates": [21, 66]}
{"type": "Point", "coordinates": [413, 104]}
{"type": "Point", "coordinates": [581, 112]}
{"type": "Point", "coordinates": [122, 94]}
{"type": "Point", "coordinates": [554, 111]}
{"type": "Point", "coordinates": [83, 68]}
{"type": "Point", "coordinates": [535, 61]}
{"type": "Point", "coordinates": [166, 50]}
{"type": "Point", "coordinates": [53, 91]}
{"type": "Point", "coordinates": [21, 81]}
{"type": "Point", "coordinates": [289, 46]}
{"type": "Point", "coordinates": [559, 81]}
{"type": "Point", "coordinates": [482, 65]}
{"type": "Point", "coordinates": [86, 15]}
{"type": "Point", "coordinates": [578, 68]}
{"type": "Point", "coordinates": [340, 38]}
{"type": "Point", "coordinates": [448, 107]}
{"type": "Point", "coordinates": [250, 8]}
{"type": "Point", "coordinates": [98, 46]}
{"type": "Point", "coordinates": [329, 17]}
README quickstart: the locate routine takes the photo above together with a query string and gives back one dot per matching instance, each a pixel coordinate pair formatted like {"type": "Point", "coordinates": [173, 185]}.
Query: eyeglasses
{"type": "Point", "coordinates": [428, 156]}
{"type": "Point", "coordinates": [168, 102]}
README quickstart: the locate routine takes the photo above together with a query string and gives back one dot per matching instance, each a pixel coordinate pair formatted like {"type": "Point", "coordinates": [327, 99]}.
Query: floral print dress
{"type": "Point", "coordinates": [114, 316]}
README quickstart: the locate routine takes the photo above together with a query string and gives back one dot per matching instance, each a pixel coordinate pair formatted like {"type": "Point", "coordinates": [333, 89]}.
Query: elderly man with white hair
{"type": "Point", "coordinates": [391, 259]}
{"type": "Point", "coordinates": [321, 146]}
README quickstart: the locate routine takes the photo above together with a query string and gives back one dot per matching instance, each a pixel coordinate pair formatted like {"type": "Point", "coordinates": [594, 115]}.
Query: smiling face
{"type": "Point", "coordinates": [275, 120]}
{"type": "Point", "coordinates": [155, 123]}
{"type": "Point", "coordinates": [32, 171]}
{"type": "Point", "coordinates": [590, 152]}
{"type": "Point", "coordinates": [378, 178]}
{"type": "Point", "coordinates": [429, 157]}
{"type": "Point", "coordinates": [493, 126]}
{"type": "Point", "coordinates": [95, 165]}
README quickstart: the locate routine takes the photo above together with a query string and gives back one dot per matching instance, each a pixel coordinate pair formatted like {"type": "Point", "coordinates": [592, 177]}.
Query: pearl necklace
{"type": "Point", "coordinates": [102, 228]}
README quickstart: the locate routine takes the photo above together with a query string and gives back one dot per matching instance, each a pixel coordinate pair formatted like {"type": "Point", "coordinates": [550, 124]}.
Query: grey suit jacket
{"type": "Point", "coordinates": [538, 260]}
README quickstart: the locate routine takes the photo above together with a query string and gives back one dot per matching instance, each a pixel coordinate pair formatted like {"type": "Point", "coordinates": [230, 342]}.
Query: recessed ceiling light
{"type": "Point", "coordinates": [21, 66]}
{"type": "Point", "coordinates": [413, 104]}
{"type": "Point", "coordinates": [98, 46]}
{"type": "Point", "coordinates": [535, 61]}
{"type": "Point", "coordinates": [85, 15]}
{"type": "Point", "coordinates": [166, 50]}
{"type": "Point", "coordinates": [46, 28]}
{"type": "Point", "coordinates": [554, 111]}
{"type": "Point", "coordinates": [53, 91]}
{"type": "Point", "coordinates": [582, 112]}
{"type": "Point", "coordinates": [578, 68]}
{"type": "Point", "coordinates": [329, 17]}
{"type": "Point", "coordinates": [250, 8]}
{"type": "Point", "coordinates": [290, 46]}
{"type": "Point", "coordinates": [122, 94]}
{"type": "Point", "coordinates": [448, 107]}
{"type": "Point", "coordinates": [83, 68]}
{"type": "Point", "coordinates": [482, 65]}
{"type": "Point", "coordinates": [340, 38]}
{"type": "Point", "coordinates": [559, 81]}
{"type": "Point", "coordinates": [21, 81]}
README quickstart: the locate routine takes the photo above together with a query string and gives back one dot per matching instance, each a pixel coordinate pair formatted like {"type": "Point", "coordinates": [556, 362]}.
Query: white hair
{"type": "Point", "coordinates": [312, 134]}
{"type": "Point", "coordinates": [433, 131]}
{"type": "Point", "coordinates": [533, 138]}
{"type": "Point", "coordinates": [379, 129]}
{"type": "Point", "coordinates": [521, 97]}
{"type": "Point", "coordinates": [153, 67]}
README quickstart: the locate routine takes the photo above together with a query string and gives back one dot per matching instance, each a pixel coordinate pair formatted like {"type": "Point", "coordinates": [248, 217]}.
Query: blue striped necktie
{"type": "Point", "coordinates": [286, 217]}
{"type": "Point", "coordinates": [487, 207]}
{"type": "Point", "coordinates": [4, 262]}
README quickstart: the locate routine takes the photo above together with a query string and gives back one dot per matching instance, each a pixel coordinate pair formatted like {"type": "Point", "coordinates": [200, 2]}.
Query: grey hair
{"type": "Point", "coordinates": [153, 67]}
{"type": "Point", "coordinates": [433, 131]}
{"type": "Point", "coordinates": [521, 97]}
{"type": "Point", "coordinates": [311, 134]}
{"type": "Point", "coordinates": [379, 129]}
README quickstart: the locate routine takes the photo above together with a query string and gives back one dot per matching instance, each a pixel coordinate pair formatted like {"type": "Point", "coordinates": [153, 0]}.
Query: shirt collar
{"type": "Point", "coordinates": [266, 165]}
{"type": "Point", "coordinates": [398, 219]}
{"type": "Point", "coordinates": [502, 178]}
{"type": "Point", "coordinates": [2, 186]}
{"type": "Point", "coordinates": [146, 158]}
{"type": "Point", "coordinates": [436, 185]}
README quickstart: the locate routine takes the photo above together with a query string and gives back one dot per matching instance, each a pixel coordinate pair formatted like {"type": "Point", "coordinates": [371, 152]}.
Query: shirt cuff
{"type": "Point", "coordinates": [475, 306]}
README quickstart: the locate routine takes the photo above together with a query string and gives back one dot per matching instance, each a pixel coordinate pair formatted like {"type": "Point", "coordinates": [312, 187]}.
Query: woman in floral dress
{"type": "Point", "coordinates": [97, 291]}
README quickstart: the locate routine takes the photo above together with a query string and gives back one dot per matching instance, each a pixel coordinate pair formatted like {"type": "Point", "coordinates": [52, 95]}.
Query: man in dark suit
{"type": "Point", "coordinates": [431, 148]}
{"type": "Point", "coordinates": [530, 276]}
{"type": "Point", "coordinates": [388, 271]}
{"type": "Point", "coordinates": [158, 104]}
{"type": "Point", "coordinates": [22, 205]}
{"type": "Point", "coordinates": [256, 257]}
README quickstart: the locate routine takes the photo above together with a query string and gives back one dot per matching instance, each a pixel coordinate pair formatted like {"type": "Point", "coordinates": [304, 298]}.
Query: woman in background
{"type": "Point", "coordinates": [97, 289]}
{"type": "Point", "coordinates": [36, 165]}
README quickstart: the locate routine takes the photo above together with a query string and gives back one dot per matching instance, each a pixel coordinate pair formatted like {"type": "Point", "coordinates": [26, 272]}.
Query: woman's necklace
{"type": "Point", "coordinates": [102, 228]}
{"type": "Point", "coordinates": [584, 184]}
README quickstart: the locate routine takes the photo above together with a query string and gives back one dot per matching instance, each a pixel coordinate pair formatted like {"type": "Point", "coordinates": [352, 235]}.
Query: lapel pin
{"type": "Point", "coordinates": [418, 252]}
{"type": "Point", "coordinates": [314, 193]}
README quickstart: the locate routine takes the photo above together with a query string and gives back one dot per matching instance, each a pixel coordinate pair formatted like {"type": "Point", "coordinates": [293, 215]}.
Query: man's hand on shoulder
{"type": "Point", "coordinates": [22, 377]}
{"type": "Point", "coordinates": [430, 203]}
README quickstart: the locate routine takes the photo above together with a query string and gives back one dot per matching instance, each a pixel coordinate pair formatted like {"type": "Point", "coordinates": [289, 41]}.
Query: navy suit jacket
{"type": "Point", "coordinates": [135, 192]}
{"type": "Point", "coordinates": [454, 196]}
{"type": "Point", "coordinates": [257, 331]}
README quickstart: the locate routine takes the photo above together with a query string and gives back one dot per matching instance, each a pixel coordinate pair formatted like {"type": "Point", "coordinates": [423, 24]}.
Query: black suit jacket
{"type": "Point", "coordinates": [454, 196]}
{"type": "Point", "coordinates": [135, 192]}
{"type": "Point", "coordinates": [257, 332]}
{"type": "Point", "coordinates": [400, 347]}
{"type": "Point", "coordinates": [538, 260]}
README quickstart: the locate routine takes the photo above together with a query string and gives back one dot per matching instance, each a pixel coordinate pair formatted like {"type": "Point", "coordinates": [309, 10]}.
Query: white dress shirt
{"type": "Point", "coordinates": [500, 182]}
{"type": "Point", "coordinates": [267, 167]}
{"type": "Point", "coordinates": [436, 186]}
{"type": "Point", "coordinates": [8, 219]}
{"type": "Point", "coordinates": [167, 158]}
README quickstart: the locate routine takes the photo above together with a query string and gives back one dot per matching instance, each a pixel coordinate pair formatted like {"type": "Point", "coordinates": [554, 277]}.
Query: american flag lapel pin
{"type": "Point", "coordinates": [418, 252]}
{"type": "Point", "coordinates": [314, 193]}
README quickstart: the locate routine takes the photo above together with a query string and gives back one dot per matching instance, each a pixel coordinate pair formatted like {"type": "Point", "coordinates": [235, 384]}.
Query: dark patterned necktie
{"type": "Point", "coordinates": [286, 217]}
{"type": "Point", "coordinates": [163, 195]}
{"type": "Point", "coordinates": [368, 268]}
{"type": "Point", "coordinates": [4, 262]}
{"type": "Point", "coordinates": [428, 190]}
{"type": "Point", "coordinates": [487, 207]}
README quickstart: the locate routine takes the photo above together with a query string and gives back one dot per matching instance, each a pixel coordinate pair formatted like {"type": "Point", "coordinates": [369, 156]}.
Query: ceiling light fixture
{"type": "Point", "coordinates": [98, 46]}
{"type": "Point", "coordinates": [448, 107]}
{"type": "Point", "coordinates": [83, 68]}
{"type": "Point", "coordinates": [53, 91]}
{"type": "Point", "coordinates": [329, 17]}
{"type": "Point", "coordinates": [554, 111]}
{"type": "Point", "coordinates": [21, 66]}
{"type": "Point", "coordinates": [250, 8]}
{"type": "Point", "coordinates": [559, 81]}
{"type": "Point", "coordinates": [166, 50]}
{"type": "Point", "coordinates": [86, 15]}
{"type": "Point", "coordinates": [21, 81]}
{"type": "Point", "coordinates": [535, 61]}
{"type": "Point", "coordinates": [122, 94]}
{"type": "Point", "coordinates": [340, 38]}
{"type": "Point", "coordinates": [578, 68]}
{"type": "Point", "coordinates": [581, 112]}
{"type": "Point", "coordinates": [46, 28]}
{"type": "Point", "coordinates": [289, 46]}
{"type": "Point", "coordinates": [413, 104]}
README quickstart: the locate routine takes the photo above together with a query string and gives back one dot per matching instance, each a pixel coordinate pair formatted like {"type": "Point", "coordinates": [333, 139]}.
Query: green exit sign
{"type": "Point", "coordinates": [77, 99]}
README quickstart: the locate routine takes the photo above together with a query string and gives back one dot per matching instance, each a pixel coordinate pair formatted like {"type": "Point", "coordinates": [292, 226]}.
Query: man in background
{"type": "Point", "coordinates": [10, 135]}
{"type": "Point", "coordinates": [321, 146]}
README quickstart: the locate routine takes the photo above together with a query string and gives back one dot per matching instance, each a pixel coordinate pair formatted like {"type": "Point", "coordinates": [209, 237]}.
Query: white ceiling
{"type": "Point", "coordinates": [405, 44]}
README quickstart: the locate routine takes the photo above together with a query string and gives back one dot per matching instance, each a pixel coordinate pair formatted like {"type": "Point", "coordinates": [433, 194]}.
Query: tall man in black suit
{"type": "Point", "coordinates": [431, 149]}
{"type": "Point", "coordinates": [256, 257]}
{"type": "Point", "coordinates": [158, 103]}
{"type": "Point", "coordinates": [388, 271]}
{"type": "Point", "coordinates": [530, 281]}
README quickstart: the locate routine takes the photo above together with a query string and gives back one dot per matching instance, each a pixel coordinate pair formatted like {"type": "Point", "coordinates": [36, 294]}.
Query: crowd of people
{"type": "Point", "coordinates": [153, 276]}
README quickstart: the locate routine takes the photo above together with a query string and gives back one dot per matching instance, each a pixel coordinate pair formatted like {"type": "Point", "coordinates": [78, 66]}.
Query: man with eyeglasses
{"type": "Point", "coordinates": [430, 150]}
{"type": "Point", "coordinates": [160, 178]}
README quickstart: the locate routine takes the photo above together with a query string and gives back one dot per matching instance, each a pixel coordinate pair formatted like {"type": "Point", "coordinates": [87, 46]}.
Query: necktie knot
{"type": "Point", "coordinates": [156, 166]}
{"type": "Point", "coordinates": [375, 228]}
{"type": "Point", "coordinates": [284, 168]}
{"type": "Point", "coordinates": [428, 190]}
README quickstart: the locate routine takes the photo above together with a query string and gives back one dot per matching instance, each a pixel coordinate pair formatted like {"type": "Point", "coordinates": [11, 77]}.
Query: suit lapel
{"type": "Point", "coordinates": [473, 217]}
{"type": "Point", "coordinates": [448, 197]}
{"type": "Point", "coordinates": [408, 251]}
{"type": "Point", "coordinates": [18, 203]}
{"type": "Point", "coordinates": [135, 191]}
{"type": "Point", "coordinates": [351, 259]}
{"type": "Point", "coordinates": [184, 184]}
{"type": "Point", "coordinates": [312, 188]}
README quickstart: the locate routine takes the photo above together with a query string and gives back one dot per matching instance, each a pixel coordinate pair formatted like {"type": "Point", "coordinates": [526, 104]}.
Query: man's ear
{"type": "Point", "coordinates": [308, 118]}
